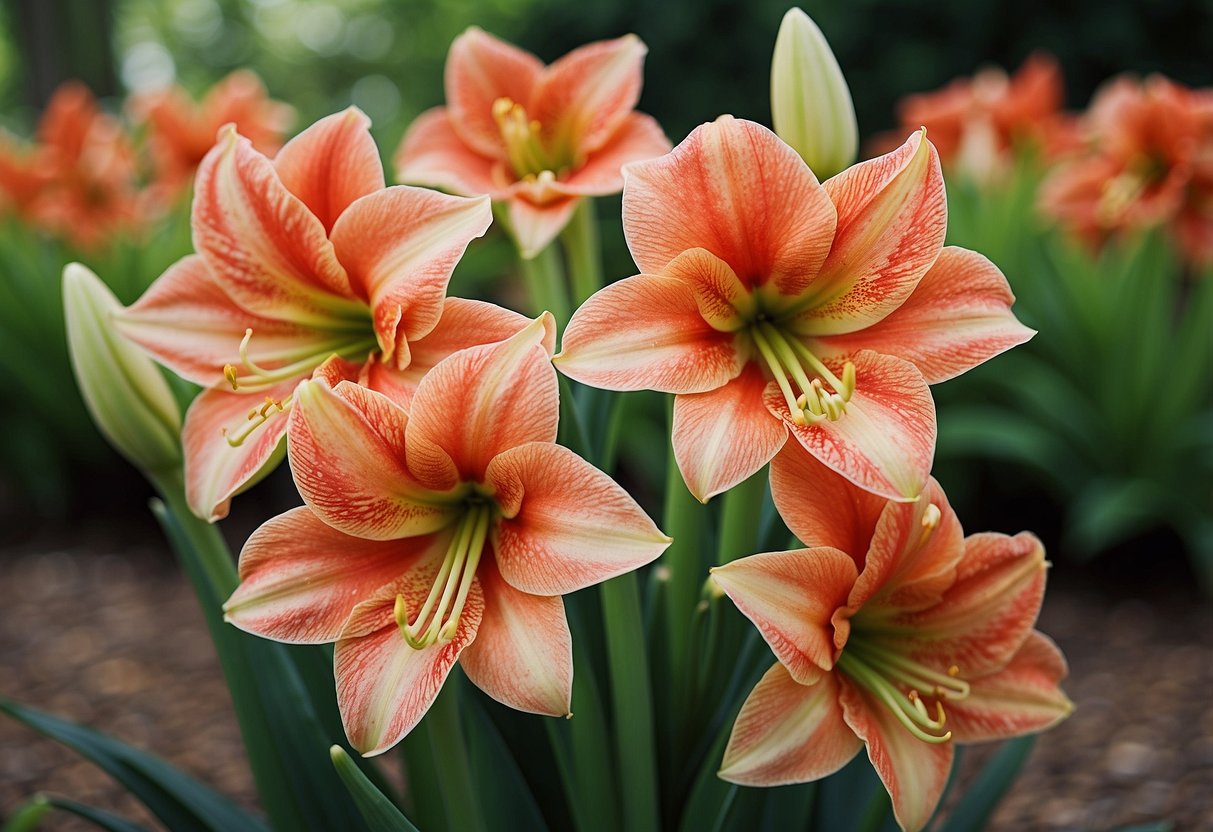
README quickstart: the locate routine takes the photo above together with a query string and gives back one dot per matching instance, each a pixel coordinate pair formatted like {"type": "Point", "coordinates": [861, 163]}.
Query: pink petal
{"type": "Point", "coordinates": [638, 138]}
{"type": "Point", "coordinates": [479, 70]}
{"type": "Point", "coordinates": [433, 154]}
{"type": "Point", "coordinates": [535, 225]}
{"type": "Point", "coordinates": [788, 732]}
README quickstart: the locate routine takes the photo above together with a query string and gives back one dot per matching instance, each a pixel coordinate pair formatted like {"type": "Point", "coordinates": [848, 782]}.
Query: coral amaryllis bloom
{"type": "Point", "coordinates": [445, 533]}
{"type": "Point", "coordinates": [891, 630]}
{"type": "Point", "coordinates": [304, 261]}
{"type": "Point", "coordinates": [536, 138]}
{"type": "Point", "coordinates": [769, 303]}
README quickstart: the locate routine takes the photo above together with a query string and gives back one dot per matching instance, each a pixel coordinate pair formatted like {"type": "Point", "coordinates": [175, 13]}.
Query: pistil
{"type": "Point", "coordinates": [802, 377]}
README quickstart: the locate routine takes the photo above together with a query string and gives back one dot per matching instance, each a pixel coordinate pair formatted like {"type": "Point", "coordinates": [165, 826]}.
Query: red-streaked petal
{"type": "Point", "coordinates": [583, 98]}
{"type": "Point", "coordinates": [886, 439]}
{"type": "Point", "coordinates": [1022, 698]}
{"type": "Point", "coordinates": [535, 225]}
{"type": "Point", "coordinates": [215, 471]}
{"type": "Point", "coordinates": [640, 137]}
{"type": "Point", "coordinates": [347, 453]}
{"type": "Point", "coordinates": [400, 246]}
{"type": "Point", "coordinates": [788, 732]}
{"type": "Point", "coordinates": [733, 188]}
{"type": "Point", "coordinates": [433, 154]}
{"type": "Point", "coordinates": [723, 436]}
{"type": "Point", "coordinates": [791, 598]}
{"type": "Point", "coordinates": [892, 216]}
{"type": "Point", "coordinates": [958, 317]}
{"type": "Point", "coordinates": [523, 652]}
{"type": "Point", "coordinates": [723, 300]}
{"type": "Point", "coordinates": [913, 771]}
{"type": "Point", "coordinates": [261, 242]}
{"type": "Point", "coordinates": [479, 70]}
{"type": "Point", "coordinates": [300, 578]}
{"type": "Point", "coordinates": [331, 164]}
{"type": "Point", "coordinates": [480, 402]}
{"type": "Point", "coordinates": [646, 332]}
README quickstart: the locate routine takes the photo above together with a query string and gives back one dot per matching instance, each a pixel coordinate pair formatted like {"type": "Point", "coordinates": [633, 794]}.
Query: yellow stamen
{"type": "Point", "coordinates": [258, 378]}
{"type": "Point", "coordinates": [256, 418]}
{"type": "Point", "coordinates": [793, 363]}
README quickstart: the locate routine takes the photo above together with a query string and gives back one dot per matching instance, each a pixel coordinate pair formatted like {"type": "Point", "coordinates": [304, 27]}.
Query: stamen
{"type": "Point", "coordinates": [257, 417]}
{"type": "Point", "coordinates": [930, 522]}
{"type": "Point", "coordinates": [910, 672]}
{"type": "Point", "coordinates": [259, 378]}
{"type": "Point", "coordinates": [523, 140]}
{"type": "Point", "coordinates": [791, 361]}
{"type": "Point", "coordinates": [907, 708]}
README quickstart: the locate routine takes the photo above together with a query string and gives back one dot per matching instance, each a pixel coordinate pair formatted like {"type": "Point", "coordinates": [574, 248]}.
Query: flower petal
{"type": "Point", "coordinates": [433, 154]}
{"type": "Point", "coordinates": [300, 578]}
{"type": "Point", "coordinates": [400, 246]}
{"type": "Point", "coordinates": [565, 525]}
{"type": "Point", "coordinates": [331, 164]}
{"type": "Point", "coordinates": [788, 732]}
{"type": "Point", "coordinates": [791, 598]}
{"type": "Point", "coordinates": [885, 440]}
{"type": "Point", "coordinates": [958, 317]}
{"type": "Point", "coordinates": [892, 215]}
{"type": "Point", "coordinates": [725, 435]}
{"type": "Point", "coordinates": [733, 188]}
{"type": "Point", "coordinates": [1022, 698]}
{"type": "Point", "coordinates": [347, 453]}
{"type": "Point", "coordinates": [535, 225]}
{"type": "Point", "coordinates": [479, 70]}
{"type": "Point", "coordinates": [523, 652]}
{"type": "Point", "coordinates": [647, 332]}
{"type": "Point", "coordinates": [638, 138]}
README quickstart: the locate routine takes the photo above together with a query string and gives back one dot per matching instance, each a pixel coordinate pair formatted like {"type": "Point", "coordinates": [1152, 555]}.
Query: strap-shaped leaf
{"type": "Point", "coordinates": [381, 814]}
{"type": "Point", "coordinates": [982, 797]}
{"type": "Point", "coordinates": [98, 817]}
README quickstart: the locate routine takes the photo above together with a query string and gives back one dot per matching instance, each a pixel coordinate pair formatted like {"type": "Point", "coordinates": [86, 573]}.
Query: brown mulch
{"type": "Point", "coordinates": [117, 641]}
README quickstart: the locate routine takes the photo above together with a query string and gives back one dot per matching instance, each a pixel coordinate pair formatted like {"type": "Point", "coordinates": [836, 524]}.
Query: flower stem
{"type": "Point", "coordinates": [214, 555]}
{"type": "Point", "coordinates": [545, 282]}
{"type": "Point", "coordinates": [739, 521]}
{"type": "Point", "coordinates": [451, 759]}
{"type": "Point", "coordinates": [584, 252]}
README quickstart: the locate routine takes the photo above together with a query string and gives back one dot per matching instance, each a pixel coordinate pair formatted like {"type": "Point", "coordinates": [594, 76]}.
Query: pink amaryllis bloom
{"type": "Point", "coordinates": [535, 138]}
{"type": "Point", "coordinates": [891, 630]}
{"type": "Point", "coordinates": [305, 262]}
{"type": "Point", "coordinates": [447, 532]}
{"type": "Point", "coordinates": [769, 304]}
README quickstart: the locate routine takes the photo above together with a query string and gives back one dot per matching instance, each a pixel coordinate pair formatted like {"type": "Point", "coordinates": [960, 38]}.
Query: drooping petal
{"type": "Point", "coordinates": [400, 246]}
{"type": "Point", "coordinates": [331, 164]}
{"type": "Point", "coordinates": [725, 435]}
{"type": "Point", "coordinates": [216, 470]}
{"type": "Point", "coordinates": [300, 578]}
{"type": "Point", "coordinates": [1022, 698]}
{"type": "Point", "coordinates": [733, 188]}
{"type": "Point", "coordinates": [262, 244]}
{"type": "Point", "coordinates": [640, 137]}
{"type": "Point", "coordinates": [913, 771]}
{"type": "Point", "coordinates": [788, 732]}
{"type": "Point", "coordinates": [347, 453]}
{"type": "Point", "coordinates": [480, 69]}
{"type": "Point", "coordinates": [885, 440]}
{"type": "Point", "coordinates": [523, 652]}
{"type": "Point", "coordinates": [482, 401]}
{"type": "Point", "coordinates": [536, 224]}
{"type": "Point", "coordinates": [647, 332]}
{"type": "Point", "coordinates": [565, 525]}
{"type": "Point", "coordinates": [892, 216]}
{"type": "Point", "coordinates": [433, 154]}
{"type": "Point", "coordinates": [958, 317]}
{"type": "Point", "coordinates": [791, 598]}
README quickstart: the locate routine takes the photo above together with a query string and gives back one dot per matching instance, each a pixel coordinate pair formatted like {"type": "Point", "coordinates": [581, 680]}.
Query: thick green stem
{"type": "Point", "coordinates": [216, 558]}
{"type": "Point", "coordinates": [876, 812]}
{"type": "Point", "coordinates": [463, 809]}
{"type": "Point", "coordinates": [545, 282]}
{"type": "Point", "coordinates": [584, 252]}
{"type": "Point", "coordinates": [739, 521]}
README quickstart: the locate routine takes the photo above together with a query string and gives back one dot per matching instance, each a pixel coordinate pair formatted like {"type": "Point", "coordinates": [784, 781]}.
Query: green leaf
{"type": "Point", "coordinates": [983, 795]}
{"type": "Point", "coordinates": [98, 817]}
{"type": "Point", "coordinates": [181, 802]}
{"type": "Point", "coordinates": [380, 813]}
{"type": "Point", "coordinates": [498, 776]}
{"type": "Point", "coordinates": [28, 816]}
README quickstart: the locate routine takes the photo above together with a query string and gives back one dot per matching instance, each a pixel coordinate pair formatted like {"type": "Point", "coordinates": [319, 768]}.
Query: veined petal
{"type": "Point", "coordinates": [433, 154]}
{"type": "Point", "coordinates": [788, 732]}
{"type": "Point", "coordinates": [820, 506]}
{"type": "Point", "coordinates": [913, 771]}
{"type": "Point", "coordinates": [725, 435]}
{"type": "Point", "coordinates": [791, 598]}
{"type": "Point", "coordinates": [646, 332]}
{"type": "Point", "coordinates": [958, 317]}
{"type": "Point", "coordinates": [723, 300]}
{"type": "Point", "coordinates": [263, 245]}
{"type": "Point", "coordinates": [215, 470]}
{"type": "Point", "coordinates": [885, 440]}
{"type": "Point", "coordinates": [565, 525]}
{"type": "Point", "coordinates": [1022, 698]}
{"type": "Point", "coordinates": [347, 453]}
{"type": "Point", "coordinates": [535, 225]}
{"type": "Point", "coordinates": [331, 164]}
{"type": "Point", "coordinates": [479, 70]}
{"type": "Point", "coordinates": [523, 652]}
{"type": "Point", "coordinates": [892, 215]}
{"type": "Point", "coordinates": [638, 138]}
{"type": "Point", "coordinates": [400, 246]}
{"type": "Point", "coordinates": [300, 578]}
{"type": "Point", "coordinates": [483, 401]}
{"type": "Point", "coordinates": [733, 188]}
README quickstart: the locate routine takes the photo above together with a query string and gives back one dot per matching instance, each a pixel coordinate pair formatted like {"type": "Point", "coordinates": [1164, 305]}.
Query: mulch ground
{"type": "Point", "coordinates": [110, 635]}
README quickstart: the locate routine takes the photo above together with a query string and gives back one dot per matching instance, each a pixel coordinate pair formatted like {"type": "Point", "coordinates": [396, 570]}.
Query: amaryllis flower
{"type": "Point", "coordinates": [306, 262]}
{"type": "Point", "coordinates": [445, 533]}
{"type": "Point", "coordinates": [769, 303]}
{"type": "Point", "coordinates": [536, 138]}
{"type": "Point", "coordinates": [891, 630]}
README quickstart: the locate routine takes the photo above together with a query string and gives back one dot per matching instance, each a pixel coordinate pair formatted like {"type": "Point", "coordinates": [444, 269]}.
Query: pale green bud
{"type": "Point", "coordinates": [811, 106]}
{"type": "Point", "coordinates": [126, 393]}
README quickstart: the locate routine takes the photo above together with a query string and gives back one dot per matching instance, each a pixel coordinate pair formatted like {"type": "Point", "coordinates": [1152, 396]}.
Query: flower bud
{"type": "Point", "coordinates": [126, 393]}
{"type": "Point", "coordinates": [811, 106]}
